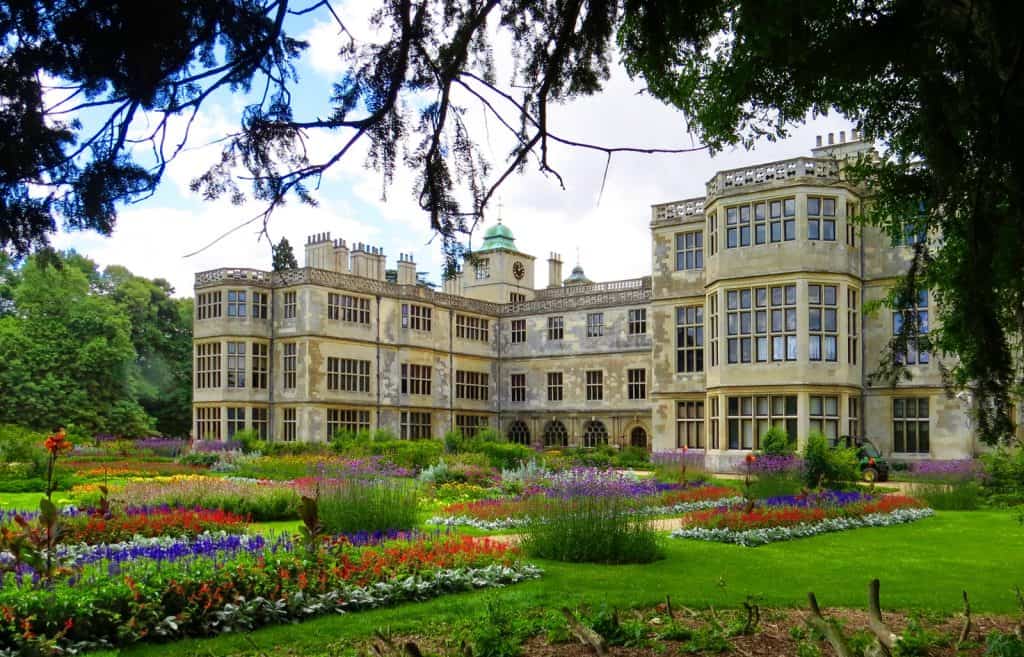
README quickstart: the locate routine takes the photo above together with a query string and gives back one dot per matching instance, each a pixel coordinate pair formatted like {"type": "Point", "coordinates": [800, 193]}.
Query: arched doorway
{"type": "Point", "coordinates": [519, 433]}
{"type": "Point", "coordinates": [555, 434]}
{"type": "Point", "coordinates": [594, 434]}
{"type": "Point", "coordinates": [638, 437]}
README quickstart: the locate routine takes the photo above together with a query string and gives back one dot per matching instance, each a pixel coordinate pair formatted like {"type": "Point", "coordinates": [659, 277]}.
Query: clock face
{"type": "Point", "coordinates": [518, 270]}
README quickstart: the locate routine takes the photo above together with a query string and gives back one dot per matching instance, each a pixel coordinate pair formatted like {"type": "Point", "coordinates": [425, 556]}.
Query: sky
{"type": "Point", "coordinates": [609, 230]}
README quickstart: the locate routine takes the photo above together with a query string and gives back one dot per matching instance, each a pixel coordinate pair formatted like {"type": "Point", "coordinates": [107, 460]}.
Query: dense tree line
{"type": "Point", "coordinates": [104, 351]}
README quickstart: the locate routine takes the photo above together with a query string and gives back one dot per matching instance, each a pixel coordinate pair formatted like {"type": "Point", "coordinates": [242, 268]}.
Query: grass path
{"type": "Point", "coordinates": [922, 565]}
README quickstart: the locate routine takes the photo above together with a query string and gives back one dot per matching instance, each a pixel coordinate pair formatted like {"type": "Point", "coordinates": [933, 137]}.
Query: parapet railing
{"type": "Point", "coordinates": [814, 167]}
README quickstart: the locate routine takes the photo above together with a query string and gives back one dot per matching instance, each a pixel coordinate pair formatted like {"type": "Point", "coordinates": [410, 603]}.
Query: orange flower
{"type": "Point", "coordinates": [58, 443]}
{"type": "Point", "coordinates": [751, 458]}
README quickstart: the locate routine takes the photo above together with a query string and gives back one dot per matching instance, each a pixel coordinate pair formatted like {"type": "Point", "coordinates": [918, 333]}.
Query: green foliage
{"type": "Point", "coordinates": [496, 633]}
{"type": "Point", "coordinates": [201, 459]}
{"type": "Point", "coordinates": [21, 447]}
{"type": "Point", "coordinates": [249, 439]}
{"type": "Point", "coordinates": [826, 466]}
{"type": "Point", "coordinates": [807, 649]}
{"type": "Point", "coordinates": [776, 441]}
{"type": "Point", "coordinates": [284, 256]}
{"type": "Point", "coordinates": [355, 505]}
{"type": "Point", "coordinates": [412, 454]}
{"type": "Point", "coordinates": [917, 641]}
{"type": "Point", "coordinates": [1004, 475]}
{"type": "Point", "coordinates": [956, 496]}
{"type": "Point", "coordinates": [1000, 644]}
{"type": "Point", "coordinates": [589, 529]}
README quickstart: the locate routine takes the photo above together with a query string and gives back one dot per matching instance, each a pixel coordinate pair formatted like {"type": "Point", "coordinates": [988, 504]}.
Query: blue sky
{"type": "Point", "coordinates": [611, 233]}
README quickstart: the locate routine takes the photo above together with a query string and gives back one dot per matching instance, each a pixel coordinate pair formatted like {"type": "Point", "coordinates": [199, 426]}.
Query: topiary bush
{"type": "Point", "coordinates": [776, 442]}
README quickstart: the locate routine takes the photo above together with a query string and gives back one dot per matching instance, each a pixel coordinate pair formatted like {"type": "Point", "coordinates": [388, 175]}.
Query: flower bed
{"type": "Point", "coordinates": [166, 588]}
{"type": "Point", "coordinates": [789, 517]}
{"type": "Point", "coordinates": [149, 522]}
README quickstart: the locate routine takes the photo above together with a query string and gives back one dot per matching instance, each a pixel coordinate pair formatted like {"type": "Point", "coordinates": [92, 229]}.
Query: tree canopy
{"type": "Point", "coordinates": [936, 83]}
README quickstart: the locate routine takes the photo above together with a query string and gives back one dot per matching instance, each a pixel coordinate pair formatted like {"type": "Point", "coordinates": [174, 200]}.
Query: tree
{"type": "Point", "coordinates": [284, 256]}
{"type": "Point", "coordinates": [938, 84]}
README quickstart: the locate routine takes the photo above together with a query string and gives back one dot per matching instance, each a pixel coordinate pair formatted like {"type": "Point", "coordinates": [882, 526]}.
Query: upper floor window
{"type": "Point", "coordinates": [914, 319]}
{"type": "Point", "coordinates": [236, 303]}
{"type": "Point", "coordinates": [471, 328]}
{"type": "Point", "coordinates": [236, 364]}
{"type": "Point", "coordinates": [260, 365]}
{"type": "Point", "coordinates": [208, 305]}
{"type": "Point", "coordinates": [518, 331]}
{"type": "Point", "coordinates": [348, 374]}
{"type": "Point", "coordinates": [288, 365]}
{"type": "Point", "coordinates": [348, 308]}
{"type": "Point", "coordinates": [690, 250]}
{"type": "Point", "coordinates": [782, 220]}
{"type": "Point", "coordinates": [851, 226]}
{"type": "Point", "coordinates": [737, 226]}
{"type": "Point", "coordinates": [259, 305]}
{"type": "Point", "coordinates": [712, 234]}
{"type": "Point", "coordinates": [290, 304]}
{"type": "Point", "coordinates": [595, 325]}
{"type": "Point", "coordinates": [637, 321]}
{"type": "Point", "coordinates": [415, 379]}
{"type": "Point", "coordinates": [555, 328]}
{"type": "Point", "coordinates": [761, 324]}
{"type": "Point", "coordinates": [636, 383]}
{"type": "Point", "coordinates": [207, 365]}
{"type": "Point", "coordinates": [518, 388]}
{"type": "Point", "coordinates": [595, 385]}
{"type": "Point", "coordinates": [555, 386]}
{"type": "Point", "coordinates": [853, 326]}
{"type": "Point", "coordinates": [713, 326]}
{"type": "Point", "coordinates": [822, 322]}
{"type": "Point", "coordinates": [472, 385]}
{"type": "Point", "coordinates": [821, 218]}
{"type": "Point", "coordinates": [483, 269]}
{"type": "Point", "coordinates": [416, 317]}
{"type": "Point", "coordinates": [690, 339]}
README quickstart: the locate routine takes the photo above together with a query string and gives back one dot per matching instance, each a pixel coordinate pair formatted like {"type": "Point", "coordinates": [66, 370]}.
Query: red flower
{"type": "Point", "coordinates": [58, 443]}
{"type": "Point", "coordinates": [751, 458]}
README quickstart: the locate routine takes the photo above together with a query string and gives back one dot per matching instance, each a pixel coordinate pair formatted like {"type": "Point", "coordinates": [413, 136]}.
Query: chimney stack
{"type": "Point", "coordinates": [555, 270]}
{"type": "Point", "coordinates": [319, 252]}
{"type": "Point", "coordinates": [406, 269]}
{"type": "Point", "coordinates": [341, 256]}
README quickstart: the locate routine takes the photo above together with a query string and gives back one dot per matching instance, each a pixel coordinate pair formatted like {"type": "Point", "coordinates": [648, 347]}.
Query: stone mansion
{"type": "Point", "coordinates": [752, 317]}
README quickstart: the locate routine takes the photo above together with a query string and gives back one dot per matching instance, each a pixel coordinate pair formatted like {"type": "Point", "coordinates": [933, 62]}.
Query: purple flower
{"type": "Point", "coordinates": [952, 470]}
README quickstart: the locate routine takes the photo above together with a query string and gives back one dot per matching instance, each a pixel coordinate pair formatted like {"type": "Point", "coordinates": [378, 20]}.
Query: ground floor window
{"type": "Point", "coordinates": [519, 433]}
{"type": "Point", "coordinates": [347, 420]}
{"type": "Point", "coordinates": [749, 418]}
{"type": "Point", "coordinates": [289, 425]}
{"type": "Point", "coordinates": [638, 437]}
{"type": "Point", "coordinates": [690, 424]}
{"type": "Point", "coordinates": [236, 420]}
{"type": "Point", "coordinates": [594, 434]}
{"type": "Point", "coordinates": [824, 415]}
{"type": "Point", "coordinates": [208, 423]}
{"type": "Point", "coordinates": [910, 425]}
{"type": "Point", "coordinates": [713, 423]}
{"type": "Point", "coordinates": [415, 425]}
{"type": "Point", "coordinates": [555, 434]}
{"type": "Point", "coordinates": [260, 423]}
{"type": "Point", "coordinates": [854, 419]}
{"type": "Point", "coordinates": [471, 425]}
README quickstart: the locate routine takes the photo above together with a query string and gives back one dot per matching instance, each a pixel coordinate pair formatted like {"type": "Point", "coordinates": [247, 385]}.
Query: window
{"type": "Point", "coordinates": [289, 425]}
{"type": "Point", "coordinates": [260, 301]}
{"type": "Point", "coordinates": [260, 365]}
{"type": "Point", "coordinates": [713, 320]}
{"type": "Point", "coordinates": [712, 234]}
{"type": "Point", "coordinates": [518, 331]}
{"type": "Point", "coordinates": [690, 424]}
{"type": "Point", "coordinates": [637, 321]}
{"type": "Point", "coordinates": [236, 420]}
{"type": "Point", "coordinates": [749, 418]}
{"type": "Point", "coordinates": [288, 365]}
{"type": "Point", "coordinates": [595, 385]}
{"type": "Point", "coordinates": [752, 337]}
{"type": "Point", "coordinates": [594, 434]}
{"type": "Point", "coordinates": [782, 220]}
{"type": "Point", "coordinates": [595, 325]}
{"type": "Point", "coordinates": [638, 437]}
{"type": "Point", "coordinates": [518, 386]}
{"type": "Point", "coordinates": [471, 328]}
{"type": "Point", "coordinates": [260, 422]}
{"type": "Point", "coordinates": [821, 218]}
{"type": "Point", "coordinates": [822, 322]}
{"type": "Point", "coordinates": [236, 303]}
{"type": "Point", "coordinates": [415, 379]}
{"type": "Point", "coordinates": [236, 365]}
{"type": "Point", "coordinates": [347, 420]}
{"type": "Point", "coordinates": [208, 305]}
{"type": "Point", "coordinates": [853, 325]}
{"type": "Point", "coordinates": [914, 320]}
{"type": "Point", "coordinates": [208, 365]}
{"type": "Point", "coordinates": [913, 234]}
{"type": "Point", "coordinates": [347, 308]}
{"type": "Point", "coordinates": [824, 414]}
{"type": "Point", "coordinates": [910, 427]}
{"type": "Point", "coordinates": [415, 317]}
{"type": "Point", "coordinates": [516, 297]}
{"type": "Point", "coordinates": [555, 328]}
{"type": "Point", "coordinates": [207, 423]}
{"type": "Point", "coordinates": [555, 434]}
{"type": "Point", "coordinates": [290, 305]}
{"type": "Point", "coordinates": [737, 226]}
{"type": "Point", "coordinates": [415, 425]}
{"type": "Point", "coordinates": [713, 424]}
{"type": "Point", "coordinates": [519, 433]}
{"type": "Point", "coordinates": [760, 223]}
{"type": "Point", "coordinates": [471, 425]}
{"type": "Point", "coordinates": [854, 419]}
{"type": "Point", "coordinates": [482, 269]}
{"type": "Point", "coordinates": [689, 250]}
{"type": "Point", "coordinates": [636, 384]}
{"type": "Point", "coordinates": [472, 385]}
{"type": "Point", "coordinates": [348, 374]}
{"type": "Point", "coordinates": [851, 227]}
{"type": "Point", "coordinates": [555, 386]}
{"type": "Point", "coordinates": [690, 339]}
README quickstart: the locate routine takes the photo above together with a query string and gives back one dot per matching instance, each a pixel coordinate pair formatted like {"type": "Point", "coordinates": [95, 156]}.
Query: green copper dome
{"type": "Point", "coordinates": [577, 277]}
{"type": "Point", "coordinates": [497, 237]}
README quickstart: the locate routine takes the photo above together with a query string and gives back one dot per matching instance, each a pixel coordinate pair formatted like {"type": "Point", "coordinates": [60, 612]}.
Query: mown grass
{"type": "Point", "coordinates": [923, 565]}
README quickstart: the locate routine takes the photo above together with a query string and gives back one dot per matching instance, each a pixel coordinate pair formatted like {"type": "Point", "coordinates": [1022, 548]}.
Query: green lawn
{"type": "Point", "coordinates": [922, 565]}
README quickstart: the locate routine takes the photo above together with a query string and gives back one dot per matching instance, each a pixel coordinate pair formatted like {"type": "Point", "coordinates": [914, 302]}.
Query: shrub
{"type": "Point", "coordinates": [412, 454]}
{"type": "Point", "coordinates": [776, 442]}
{"type": "Point", "coordinates": [496, 634]}
{"type": "Point", "coordinates": [506, 455]}
{"type": "Point", "coordinates": [348, 506]}
{"type": "Point", "coordinates": [201, 459]}
{"type": "Point", "coordinates": [594, 457]}
{"type": "Point", "coordinates": [963, 496]}
{"type": "Point", "coordinates": [998, 644]}
{"type": "Point", "coordinates": [632, 457]}
{"type": "Point", "coordinates": [1004, 475]}
{"type": "Point", "coordinates": [19, 445]}
{"type": "Point", "coordinates": [826, 466]}
{"type": "Point", "coordinates": [598, 529]}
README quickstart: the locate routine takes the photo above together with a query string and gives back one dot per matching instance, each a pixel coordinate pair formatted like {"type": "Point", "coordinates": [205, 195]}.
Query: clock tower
{"type": "Point", "coordinates": [498, 271]}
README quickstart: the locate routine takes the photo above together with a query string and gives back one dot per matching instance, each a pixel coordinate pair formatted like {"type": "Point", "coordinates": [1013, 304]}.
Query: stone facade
{"type": "Point", "coordinates": [752, 317]}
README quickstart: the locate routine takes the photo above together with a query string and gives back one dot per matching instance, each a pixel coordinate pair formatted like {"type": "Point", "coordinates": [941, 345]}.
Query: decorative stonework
{"type": "Point", "coordinates": [821, 169]}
